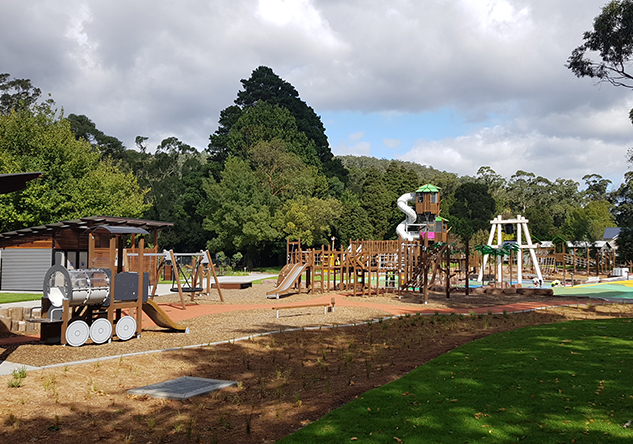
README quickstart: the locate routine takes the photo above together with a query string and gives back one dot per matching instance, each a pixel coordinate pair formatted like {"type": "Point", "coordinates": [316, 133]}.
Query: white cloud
{"type": "Point", "coordinates": [356, 136]}
{"type": "Point", "coordinates": [168, 68]}
{"type": "Point", "coordinates": [391, 143]}
{"type": "Point", "coordinates": [506, 152]}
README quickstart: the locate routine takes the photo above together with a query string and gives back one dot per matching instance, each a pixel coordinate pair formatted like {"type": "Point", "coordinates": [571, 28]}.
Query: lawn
{"type": "Point", "coordinates": [5, 298]}
{"type": "Point", "coordinates": [566, 382]}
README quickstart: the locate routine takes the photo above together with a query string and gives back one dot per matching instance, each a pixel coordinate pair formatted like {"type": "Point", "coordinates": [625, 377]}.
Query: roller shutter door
{"type": "Point", "coordinates": [24, 268]}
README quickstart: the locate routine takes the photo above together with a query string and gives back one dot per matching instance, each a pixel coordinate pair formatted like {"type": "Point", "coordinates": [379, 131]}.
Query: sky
{"type": "Point", "coordinates": [455, 84]}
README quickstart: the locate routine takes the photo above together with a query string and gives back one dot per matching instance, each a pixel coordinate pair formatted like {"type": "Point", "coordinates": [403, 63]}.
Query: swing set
{"type": "Point", "coordinates": [197, 280]}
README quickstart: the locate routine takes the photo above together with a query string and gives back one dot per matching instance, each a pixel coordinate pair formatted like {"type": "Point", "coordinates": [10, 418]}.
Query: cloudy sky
{"type": "Point", "coordinates": [455, 84]}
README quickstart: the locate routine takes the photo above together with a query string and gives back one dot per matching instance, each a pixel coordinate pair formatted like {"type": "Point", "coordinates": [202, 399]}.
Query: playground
{"type": "Point", "coordinates": [333, 325]}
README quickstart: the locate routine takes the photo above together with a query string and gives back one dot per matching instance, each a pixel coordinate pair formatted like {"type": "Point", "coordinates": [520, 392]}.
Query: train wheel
{"type": "Point", "coordinates": [100, 331]}
{"type": "Point", "coordinates": [126, 328]}
{"type": "Point", "coordinates": [77, 333]}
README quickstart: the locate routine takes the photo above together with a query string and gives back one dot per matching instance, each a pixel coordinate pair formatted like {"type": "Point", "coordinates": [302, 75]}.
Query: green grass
{"type": "Point", "coordinates": [259, 281]}
{"type": "Point", "coordinates": [269, 270]}
{"type": "Point", "coordinates": [567, 382]}
{"type": "Point", "coordinates": [236, 273]}
{"type": "Point", "coordinates": [5, 298]}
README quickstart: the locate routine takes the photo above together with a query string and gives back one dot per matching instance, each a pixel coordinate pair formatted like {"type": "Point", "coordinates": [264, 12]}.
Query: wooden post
{"type": "Point", "coordinates": [448, 272]}
{"type": "Point", "coordinates": [161, 265]}
{"type": "Point", "coordinates": [139, 294]}
{"type": "Point", "coordinates": [91, 250]}
{"type": "Point", "coordinates": [467, 289]}
{"type": "Point", "coordinates": [215, 276]}
{"type": "Point", "coordinates": [113, 273]}
{"type": "Point", "coordinates": [174, 269]}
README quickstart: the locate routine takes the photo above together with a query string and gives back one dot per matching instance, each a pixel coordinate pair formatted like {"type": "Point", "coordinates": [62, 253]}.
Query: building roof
{"type": "Point", "coordinates": [428, 188]}
{"type": "Point", "coordinates": [121, 229]}
{"type": "Point", "coordinates": [10, 237]}
{"type": "Point", "coordinates": [611, 233]}
{"type": "Point", "coordinates": [15, 182]}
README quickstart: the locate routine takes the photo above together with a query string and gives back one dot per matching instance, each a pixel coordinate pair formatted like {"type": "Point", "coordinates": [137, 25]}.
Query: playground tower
{"type": "Point", "coordinates": [422, 220]}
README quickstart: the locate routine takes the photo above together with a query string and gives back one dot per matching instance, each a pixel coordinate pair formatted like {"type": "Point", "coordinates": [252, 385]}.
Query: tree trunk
{"type": "Point", "coordinates": [467, 263]}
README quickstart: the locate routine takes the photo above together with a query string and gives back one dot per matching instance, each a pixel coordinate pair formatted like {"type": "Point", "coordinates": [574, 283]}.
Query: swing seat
{"type": "Point", "coordinates": [187, 289]}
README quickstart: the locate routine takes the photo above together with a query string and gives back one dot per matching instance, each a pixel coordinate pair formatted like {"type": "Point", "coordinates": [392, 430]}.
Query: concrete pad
{"type": "Point", "coordinates": [165, 289]}
{"type": "Point", "coordinates": [7, 368]}
{"type": "Point", "coordinates": [181, 388]}
{"type": "Point", "coordinates": [23, 304]}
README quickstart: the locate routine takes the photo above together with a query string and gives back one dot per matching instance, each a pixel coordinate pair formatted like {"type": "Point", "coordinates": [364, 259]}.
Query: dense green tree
{"type": "Point", "coordinates": [541, 223]}
{"type": "Point", "coordinates": [173, 174]}
{"type": "Point", "coordinates": [309, 219]}
{"type": "Point", "coordinates": [624, 217]}
{"type": "Point", "coordinates": [612, 40]}
{"type": "Point", "coordinates": [75, 182]}
{"type": "Point", "coordinates": [265, 122]}
{"type": "Point", "coordinates": [377, 201]}
{"type": "Point", "coordinates": [528, 193]}
{"type": "Point", "coordinates": [264, 85]}
{"type": "Point", "coordinates": [472, 209]}
{"type": "Point", "coordinates": [237, 213]}
{"type": "Point", "coordinates": [353, 223]}
{"type": "Point", "coordinates": [282, 172]}
{"type": "Point", "coordinates": [588, 223]}
{"type": "Point", "coordinates": [496, 186]}
{"type": "Point", "coordinates": [219, 141]}
{"type": "Point", "coordinates": [425, 173]}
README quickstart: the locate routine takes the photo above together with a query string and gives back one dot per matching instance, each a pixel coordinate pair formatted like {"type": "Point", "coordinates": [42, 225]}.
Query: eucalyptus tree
{"type": "Point", "coordinates": [84, 128]}
{"type": "Point", "coordinates": [608, 47]}
{"type": "Point", "coordinates": [21, 95]}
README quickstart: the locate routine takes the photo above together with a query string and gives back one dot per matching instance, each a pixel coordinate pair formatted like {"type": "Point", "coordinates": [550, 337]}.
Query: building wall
{"type": "Point", "coordinates": [23, 269]}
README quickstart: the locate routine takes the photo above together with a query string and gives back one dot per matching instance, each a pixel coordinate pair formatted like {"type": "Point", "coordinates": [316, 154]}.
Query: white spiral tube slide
{"type": "Point", "coordinates": [403, 206]}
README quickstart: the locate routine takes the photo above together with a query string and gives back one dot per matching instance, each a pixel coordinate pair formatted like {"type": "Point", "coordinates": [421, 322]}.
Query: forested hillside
{"type": "Point", "coordinates": [267, 174]}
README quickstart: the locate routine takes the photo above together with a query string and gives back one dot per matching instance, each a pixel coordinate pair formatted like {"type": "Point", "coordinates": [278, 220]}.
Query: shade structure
{"type": "Point", "coordinates": [15, 182]}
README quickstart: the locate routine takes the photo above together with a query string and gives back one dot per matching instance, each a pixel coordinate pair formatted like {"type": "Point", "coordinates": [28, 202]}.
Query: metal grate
{"type": "Point", "coordinates": [181, 388]}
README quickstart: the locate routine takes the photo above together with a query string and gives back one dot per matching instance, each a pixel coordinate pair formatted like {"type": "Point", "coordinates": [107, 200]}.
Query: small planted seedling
{"type": "Point", "coordinates": [12, 421]}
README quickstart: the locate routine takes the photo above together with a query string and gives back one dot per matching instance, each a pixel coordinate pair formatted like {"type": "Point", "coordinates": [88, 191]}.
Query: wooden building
{"type": "Point", "coordinates": [28, 253]}
{"type": "Point", "coordinates": [427, 207]}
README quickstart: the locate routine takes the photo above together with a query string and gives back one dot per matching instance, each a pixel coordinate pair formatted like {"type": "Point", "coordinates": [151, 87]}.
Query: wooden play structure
{"type": "Point", "coordinates": [89, 303]}
{"type": "Point", "coordinates": [422, 220]}
{"type": "Point", "coordinates": [418, 260]}
{"type": "Point", "coordinates": [366, 268]}
{"type": "Point", "coordinates": [574, 259]}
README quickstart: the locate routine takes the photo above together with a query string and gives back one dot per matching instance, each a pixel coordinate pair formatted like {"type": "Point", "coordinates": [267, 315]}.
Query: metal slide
{"type": "Point", "coordinates": [161, 318]}
{"type": "Point", "coordinates": [290, 279]}
{"type": "Point", "coordinates": [403, 206]}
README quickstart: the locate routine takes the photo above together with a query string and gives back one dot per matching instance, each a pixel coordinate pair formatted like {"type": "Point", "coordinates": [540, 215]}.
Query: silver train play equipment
{"type": "Point", "coordinates": [82, 304]}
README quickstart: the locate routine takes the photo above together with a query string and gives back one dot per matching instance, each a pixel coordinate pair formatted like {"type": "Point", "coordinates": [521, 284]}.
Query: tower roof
{"type": "Point", "coordinates": [428, 188]}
